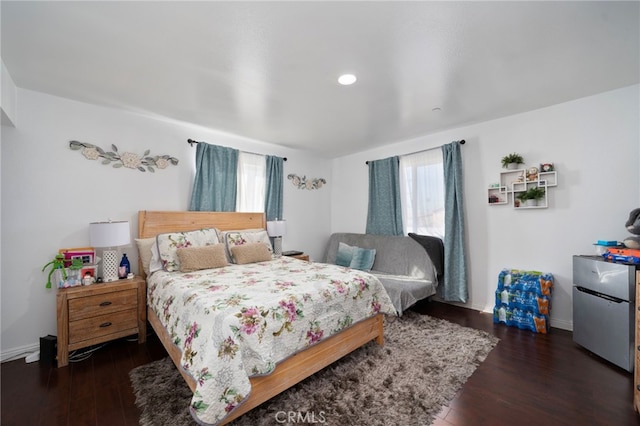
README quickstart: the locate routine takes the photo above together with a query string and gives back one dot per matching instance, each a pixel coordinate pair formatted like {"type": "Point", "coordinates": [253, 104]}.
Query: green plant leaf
{"type": "Point", "coordinates": [117, 165]}
{"type": "Point", "coordinates": [151, 169]}
{"type": "Point", "coordinates": [114, 148]}
{"type": "Point", "coordinates": [146, 153]}
{"type": "Point", "coordinates": [106, 161]}
{"type": "Point", "coordinates": [141, 169]}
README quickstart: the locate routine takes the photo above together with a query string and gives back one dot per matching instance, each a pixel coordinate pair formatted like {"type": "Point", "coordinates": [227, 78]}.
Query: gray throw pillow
{"type": "Point", "coordinates": [355, 257]}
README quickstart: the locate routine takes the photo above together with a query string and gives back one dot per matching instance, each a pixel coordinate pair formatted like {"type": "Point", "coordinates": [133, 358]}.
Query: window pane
{"type": "Point", "coordinates": [251, 182]}
{"type": "Point", "coordinates": [422, 193]}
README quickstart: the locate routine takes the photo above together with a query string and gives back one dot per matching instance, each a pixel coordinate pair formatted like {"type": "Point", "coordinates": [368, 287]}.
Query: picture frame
{"type": "Point", "coordinates": [86, 254]}
{"type": "Point", "coordinates": [547, 167]}
{"type": "Point", "coordinates": [89, 269]}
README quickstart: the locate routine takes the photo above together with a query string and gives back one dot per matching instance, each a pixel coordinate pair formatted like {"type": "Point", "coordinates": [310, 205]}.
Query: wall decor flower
{"type": "Point", "coordinates": [130, 160]}
{"type": "Point", "coordinates": [304, 183]}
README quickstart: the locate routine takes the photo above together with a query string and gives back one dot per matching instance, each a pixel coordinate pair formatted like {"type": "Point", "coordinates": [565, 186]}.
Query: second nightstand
{"type": "Point", "coordinates": [302, 256]}
{"type": "Point", "coordinates": [89, 315]}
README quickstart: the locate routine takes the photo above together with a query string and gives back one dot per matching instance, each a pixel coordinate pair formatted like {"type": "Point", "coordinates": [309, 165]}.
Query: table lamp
{"type": "Point", "coordinates": [109, 236]}
{"type": "Point", "coordinates": [276, 229]}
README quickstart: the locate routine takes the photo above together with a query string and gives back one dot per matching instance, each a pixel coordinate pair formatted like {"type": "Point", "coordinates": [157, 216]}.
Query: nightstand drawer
{"type": "Point", "coordinates": [101, 304]}
{"type": "Point", "coordinates": [103, 325]}
{"type": "Point", "coordinates": [98, 313]}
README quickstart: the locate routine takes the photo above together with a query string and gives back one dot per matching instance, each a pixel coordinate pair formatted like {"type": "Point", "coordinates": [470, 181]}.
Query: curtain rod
{"type": "Point", "coordinates": [191, 142]}
{"type": "Point", "coordinates": [462, 142]}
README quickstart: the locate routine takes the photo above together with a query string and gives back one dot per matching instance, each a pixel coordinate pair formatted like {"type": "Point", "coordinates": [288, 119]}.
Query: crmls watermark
{"type": "Point", "coordinates": [306, 417]}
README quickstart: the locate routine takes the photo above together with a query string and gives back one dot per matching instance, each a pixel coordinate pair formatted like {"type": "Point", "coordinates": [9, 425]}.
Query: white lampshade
{"type": "Point", "coordinates": [277, 228]}
{"type": "Point", "coordinates": [109, 235]}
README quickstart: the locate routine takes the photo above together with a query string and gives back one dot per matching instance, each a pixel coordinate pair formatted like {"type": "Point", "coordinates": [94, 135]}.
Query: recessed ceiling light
{"type": "Point", "coordinates": [347, 79]}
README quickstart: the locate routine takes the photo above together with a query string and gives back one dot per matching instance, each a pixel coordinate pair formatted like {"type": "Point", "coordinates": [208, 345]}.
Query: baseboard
{"type": "Point", "coordinates": [555, 323]}
{"type": "Point", "coordinates": [561, 324]}
{"type": "Point", "coordinates": [19, 352]}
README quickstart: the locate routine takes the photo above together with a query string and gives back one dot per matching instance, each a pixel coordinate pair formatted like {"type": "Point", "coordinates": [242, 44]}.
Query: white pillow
{"type": "Point", "coordinates": [155, 264]}
{"type": "Point", "coordinates": [144, 252]}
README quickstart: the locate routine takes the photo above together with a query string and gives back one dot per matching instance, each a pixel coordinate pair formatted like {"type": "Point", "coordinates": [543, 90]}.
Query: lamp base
{"type": "Point", "coordinates": [110, 265]}
{"type": "Point", "coordinates": [277, 246]}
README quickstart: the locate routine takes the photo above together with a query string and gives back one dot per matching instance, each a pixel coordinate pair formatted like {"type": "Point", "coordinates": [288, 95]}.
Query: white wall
{"type": "Point", "coordinates": [7, 98]}
{"type": "Point", "coordinates": [594, 143]}
{"type": "Point", "coordinates": [51, 193]}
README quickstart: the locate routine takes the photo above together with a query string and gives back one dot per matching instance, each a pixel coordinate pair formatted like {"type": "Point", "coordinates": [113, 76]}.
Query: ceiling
{"type": "Point", "coordinates": [268, 70]}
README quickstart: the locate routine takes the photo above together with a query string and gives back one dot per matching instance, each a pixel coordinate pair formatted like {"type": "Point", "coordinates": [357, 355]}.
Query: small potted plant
{"type": "Point", "coordinates": [531, 196]}
{"type": "Point", "coordinates": [511, 161]}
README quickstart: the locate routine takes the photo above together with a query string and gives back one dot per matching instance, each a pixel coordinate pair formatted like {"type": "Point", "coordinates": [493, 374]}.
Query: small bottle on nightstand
{"type": "Point", "coordinates": [125, 267]}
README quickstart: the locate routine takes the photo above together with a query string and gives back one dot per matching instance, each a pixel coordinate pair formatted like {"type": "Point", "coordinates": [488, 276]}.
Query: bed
{"type": "Point", "coordinates": [308, 316]}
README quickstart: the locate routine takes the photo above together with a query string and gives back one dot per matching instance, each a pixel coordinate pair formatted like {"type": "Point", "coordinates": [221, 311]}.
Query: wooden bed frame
{"type": "Point", "coordinates": [288, 372]}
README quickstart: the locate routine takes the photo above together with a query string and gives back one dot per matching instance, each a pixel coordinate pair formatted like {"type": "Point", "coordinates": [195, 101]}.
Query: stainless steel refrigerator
{"type": "Point", "coordinates": [604, 308]}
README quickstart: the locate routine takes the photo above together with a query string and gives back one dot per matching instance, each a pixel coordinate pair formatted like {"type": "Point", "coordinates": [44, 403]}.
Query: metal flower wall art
{"type": "Point", "coordinates": [130, 160]}
{"type": "Point", "coordinates": [304, 183]}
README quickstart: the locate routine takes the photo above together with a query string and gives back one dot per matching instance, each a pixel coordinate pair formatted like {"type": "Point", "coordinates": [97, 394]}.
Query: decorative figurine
{"type": "Point", "coordinates": [87, 279]}
{"type": "Point", "coordinates": [56, 263]}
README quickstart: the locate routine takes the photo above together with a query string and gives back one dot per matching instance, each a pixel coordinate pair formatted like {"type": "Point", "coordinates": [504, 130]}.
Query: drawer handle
{"type": "Point", "coordinates": [105, 324]}
{"type": "Point", "coordinates": [105, 303]}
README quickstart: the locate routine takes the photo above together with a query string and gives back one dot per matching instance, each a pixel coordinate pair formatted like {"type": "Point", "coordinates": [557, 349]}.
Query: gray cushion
{"type": "Point", "coordinates": [394, 254]}
{"type": "Point", "coordinates": [355, 257]}
{"type": "Point", "coordinates": [401, 264]}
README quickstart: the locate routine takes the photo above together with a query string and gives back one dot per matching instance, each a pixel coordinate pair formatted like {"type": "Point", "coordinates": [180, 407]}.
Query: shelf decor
{"type": "Point", "coordinates": [511, 161]}
{"type": "Point", "coordinates": [304, 183]}
{"type": "Point", "coordinates": [130, 160]}
{"type": "Point", "coordinates": [524, 188]}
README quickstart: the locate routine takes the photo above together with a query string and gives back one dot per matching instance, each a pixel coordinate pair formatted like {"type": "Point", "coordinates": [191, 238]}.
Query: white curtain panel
{"type": "Point", "coordinates": [251, 182]}
{"type": "Point", "coordinates": [422, 193]}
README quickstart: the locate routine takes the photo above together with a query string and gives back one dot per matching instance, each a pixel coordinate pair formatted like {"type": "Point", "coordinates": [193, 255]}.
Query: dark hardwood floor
{"type": "Point", "coordinates": [528, 379]}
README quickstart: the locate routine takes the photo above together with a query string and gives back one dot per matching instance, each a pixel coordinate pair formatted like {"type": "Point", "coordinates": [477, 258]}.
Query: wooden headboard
{"type": "Point", "coordinates": [152, 223]}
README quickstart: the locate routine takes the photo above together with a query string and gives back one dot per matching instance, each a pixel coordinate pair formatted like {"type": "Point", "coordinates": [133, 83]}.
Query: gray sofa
{"type": "Point", "coordinates": [401, 264]}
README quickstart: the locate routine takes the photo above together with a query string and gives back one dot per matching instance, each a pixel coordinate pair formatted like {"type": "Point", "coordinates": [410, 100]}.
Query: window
{"type": "Point", "coordinates": [252, 182]}
{"type": "Point", "coordinates": [422, 193]}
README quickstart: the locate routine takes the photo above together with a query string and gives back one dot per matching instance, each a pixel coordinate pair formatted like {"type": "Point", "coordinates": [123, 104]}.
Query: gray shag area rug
{"type": "Point", "coordinates": [420, 368]}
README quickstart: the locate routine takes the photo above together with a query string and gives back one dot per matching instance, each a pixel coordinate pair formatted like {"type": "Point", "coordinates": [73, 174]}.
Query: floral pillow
{"type": "Point", "coordinates": [246, 236]}
{"type": "Point", "coordinates": [168, 245]}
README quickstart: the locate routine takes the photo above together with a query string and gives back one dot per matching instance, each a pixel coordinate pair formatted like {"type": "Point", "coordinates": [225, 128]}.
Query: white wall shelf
{"type": "Point", "coordinates": [515, 182]}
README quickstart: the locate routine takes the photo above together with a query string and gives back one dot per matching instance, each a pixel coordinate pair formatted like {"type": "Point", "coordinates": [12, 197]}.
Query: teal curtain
{"type": "Point", "coordinates": [273, 193]}
{"type": "Point", "coordinates": [214, 188]}
{"type": "Point", "coordinates": [454, 288]}
{"type": "Point", "coordinates": [384, 215]}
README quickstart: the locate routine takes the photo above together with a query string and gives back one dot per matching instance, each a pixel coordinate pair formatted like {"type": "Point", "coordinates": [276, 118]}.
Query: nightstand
{"type": "Point", "coordinates": [302, 256]}
{"type": "Point", "coordinates": [88, 315]}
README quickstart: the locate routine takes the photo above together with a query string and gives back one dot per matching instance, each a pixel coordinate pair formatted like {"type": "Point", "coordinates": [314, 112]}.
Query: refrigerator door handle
{"type": "Point", "coordinates": [598, 294]}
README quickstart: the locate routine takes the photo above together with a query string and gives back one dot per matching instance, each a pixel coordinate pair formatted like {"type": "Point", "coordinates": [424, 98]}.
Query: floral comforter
{"type": "Point", "coordinates": [238, 321]}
